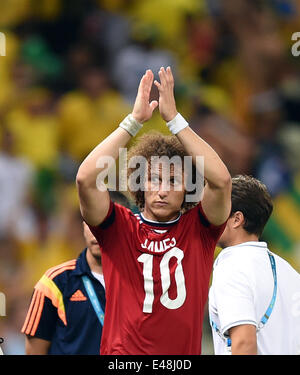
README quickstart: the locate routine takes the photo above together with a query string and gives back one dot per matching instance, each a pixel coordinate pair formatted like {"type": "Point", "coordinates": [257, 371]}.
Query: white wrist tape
{"type": "Point", "coordinates": [131, 125]}
{"type": "Point", "coordinates": [177, 124]}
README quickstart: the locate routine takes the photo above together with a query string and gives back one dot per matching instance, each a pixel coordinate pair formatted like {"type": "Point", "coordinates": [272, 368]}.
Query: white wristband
{"type": "Point", "coordinates": [177, 124]}
{"type": "Point", "coordinates": [131, 125]}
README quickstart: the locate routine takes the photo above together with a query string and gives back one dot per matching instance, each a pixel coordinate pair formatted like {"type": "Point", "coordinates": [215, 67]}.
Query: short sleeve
{"type": "Point", "coordinates": [233, 295]}
{"type": "Point", "coordinates": [215, 231]}
{"type": "Point", "coordinates": [117, 223]}
{"type": "Point", "coordinates": [41, 318]}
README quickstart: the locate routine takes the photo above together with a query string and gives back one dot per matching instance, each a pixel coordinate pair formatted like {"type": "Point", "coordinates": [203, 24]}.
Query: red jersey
{"type": "Point", "coordinates": [156, 279]}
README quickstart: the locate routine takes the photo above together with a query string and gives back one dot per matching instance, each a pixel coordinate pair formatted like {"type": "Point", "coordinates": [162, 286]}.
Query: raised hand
{"type": "Point", "coordinates": [167, 104]}
{"type": "Point", "coordinates": [142, 109]}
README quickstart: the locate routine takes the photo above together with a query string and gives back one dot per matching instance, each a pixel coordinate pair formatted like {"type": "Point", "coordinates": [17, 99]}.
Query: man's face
{"type": "Point", "coordinates": [91, 242]}
{"type": "Point", "coordinates": [164, 193]}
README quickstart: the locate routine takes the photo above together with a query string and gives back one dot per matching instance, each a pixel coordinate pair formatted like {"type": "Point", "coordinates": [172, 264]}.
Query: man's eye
{"type": "Point", "coordinates": [176, 181]}
{"type": "Point", "coordinates": [155, 179]}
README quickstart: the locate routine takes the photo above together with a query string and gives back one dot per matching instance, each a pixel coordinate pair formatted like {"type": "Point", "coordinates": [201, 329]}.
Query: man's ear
{"type": "Point", "coordinates": [238, 219]}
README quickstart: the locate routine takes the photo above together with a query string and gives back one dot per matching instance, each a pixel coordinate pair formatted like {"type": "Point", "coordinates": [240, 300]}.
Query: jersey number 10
{"type": "Point", "coordinates": [147, 260]}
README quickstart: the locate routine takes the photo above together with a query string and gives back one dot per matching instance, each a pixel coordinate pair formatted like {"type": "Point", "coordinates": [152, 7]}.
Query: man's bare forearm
{"type": "Point", "coordinates": [36, 346]}
{"type": "Point", "coordinates": [88, 172]}
{"type": "Point", "coordinates": [215, 171]}
{"type": "Point", "coordinates": [94, 202]}
{"type": "Point", "coordinates": [142, 111]}
{"type": "Point", "coordinates": [244, 348]}
{"type": "Point", "coordinates": [94, 199]}
{"type": "Point", "coordinates": [243, 340]}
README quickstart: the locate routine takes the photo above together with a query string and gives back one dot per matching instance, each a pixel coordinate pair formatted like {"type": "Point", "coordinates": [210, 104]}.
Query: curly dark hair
{"type": "Point", "coordinates": [251, 197]}
{"type": "Point", "coordinates": [156, 144]}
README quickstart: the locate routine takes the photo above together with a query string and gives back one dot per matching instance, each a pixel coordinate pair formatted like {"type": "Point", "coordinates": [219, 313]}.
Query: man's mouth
{"type": "Point", "coordinates": [160, 203]}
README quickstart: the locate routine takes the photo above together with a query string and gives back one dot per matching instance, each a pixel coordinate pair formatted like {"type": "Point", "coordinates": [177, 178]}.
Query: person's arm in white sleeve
{"type": "Point", "coordinates": [234, 299]}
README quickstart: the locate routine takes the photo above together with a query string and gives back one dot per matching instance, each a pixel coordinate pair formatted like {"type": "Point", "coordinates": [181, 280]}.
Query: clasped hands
{"type": "Point", "coordinates": [143, 108]}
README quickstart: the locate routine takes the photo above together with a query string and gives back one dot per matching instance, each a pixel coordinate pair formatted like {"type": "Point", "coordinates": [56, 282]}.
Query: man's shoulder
{"type": "Point", "coordinates": [231, 256]}
{"type": "Point", "coordinates": [197, 219]}
{"type": "Point", "coordinates": [195, 212]}
{"type": "Point", "coordinates": [285, 267]}
{"type": "Point", "coordinates": [118, 211]}
{"type": "Point", "coordinates": [124, 210]}
{"type": "Point", "coordinates": [243, 256]}
{"type": "Point", "coordinates": [60, 273]}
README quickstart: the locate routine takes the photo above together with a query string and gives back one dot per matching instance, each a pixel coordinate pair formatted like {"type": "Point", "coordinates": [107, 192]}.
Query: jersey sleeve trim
{"type": "Point", "coordinates": [110, 217]}
{"type": "Point", "coordinates": [202, 217]}
{"type": "Point", "coordinates": [225, 329]}
{"type": "Point", "coordinates": [34, 313]}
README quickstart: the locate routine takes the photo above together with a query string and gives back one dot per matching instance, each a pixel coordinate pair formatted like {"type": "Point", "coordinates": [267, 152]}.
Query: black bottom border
{"type": "Point", "coordinates": [135, 364]}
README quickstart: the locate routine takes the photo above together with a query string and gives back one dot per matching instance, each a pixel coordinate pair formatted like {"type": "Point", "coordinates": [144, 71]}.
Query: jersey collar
{"type": "Point", "coordinates": [160, 224]}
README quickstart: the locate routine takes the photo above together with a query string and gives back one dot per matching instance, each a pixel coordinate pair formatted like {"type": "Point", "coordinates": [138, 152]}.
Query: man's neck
{"type": "Point", "coordinates": [94, 264]}
{"type": "Point", "coordinates": [242, 238]}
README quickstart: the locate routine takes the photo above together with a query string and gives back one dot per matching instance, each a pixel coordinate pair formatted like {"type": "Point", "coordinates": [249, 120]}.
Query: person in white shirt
{"type": "Point", "coordinates": [254, 299]}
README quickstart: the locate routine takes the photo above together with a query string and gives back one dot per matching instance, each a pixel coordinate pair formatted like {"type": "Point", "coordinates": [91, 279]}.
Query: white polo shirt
{"type": "Point", "coordinates": [241, 291]}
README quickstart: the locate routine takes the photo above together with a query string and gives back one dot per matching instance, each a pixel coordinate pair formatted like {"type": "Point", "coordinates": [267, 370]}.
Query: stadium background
{"type": "Point", "coordinates": [69, 77]}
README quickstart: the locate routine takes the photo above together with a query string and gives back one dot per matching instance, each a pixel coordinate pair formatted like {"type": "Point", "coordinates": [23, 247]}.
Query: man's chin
{"type": "Point", "coordinates": [164, 215]}
{"type": "Point", "coordinates": [96, 252]}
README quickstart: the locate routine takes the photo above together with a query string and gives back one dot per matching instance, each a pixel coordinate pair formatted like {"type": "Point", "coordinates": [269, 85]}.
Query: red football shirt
{"type": "Point", "coordinates": [156, 278]}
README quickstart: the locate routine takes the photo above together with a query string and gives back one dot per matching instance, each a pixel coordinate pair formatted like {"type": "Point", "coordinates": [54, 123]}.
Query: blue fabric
{"type": "Point", "coordinates": [82, 335]}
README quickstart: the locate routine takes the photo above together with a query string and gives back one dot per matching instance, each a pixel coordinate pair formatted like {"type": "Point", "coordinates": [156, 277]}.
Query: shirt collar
{"type": "Point", "coordinates": [82, 267]}
{"type": "Point", "coordinates": [255, 244]}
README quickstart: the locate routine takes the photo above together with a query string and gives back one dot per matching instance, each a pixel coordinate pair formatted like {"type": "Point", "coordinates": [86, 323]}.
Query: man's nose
{"type": "Point", "coordinates": [163, 190]}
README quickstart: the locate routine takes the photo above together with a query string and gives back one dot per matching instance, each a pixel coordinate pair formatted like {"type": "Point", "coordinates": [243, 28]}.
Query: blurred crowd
{"type": "Point", "coordinates": [69, 77]}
